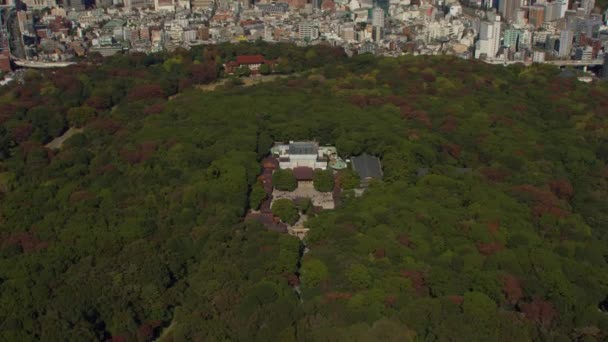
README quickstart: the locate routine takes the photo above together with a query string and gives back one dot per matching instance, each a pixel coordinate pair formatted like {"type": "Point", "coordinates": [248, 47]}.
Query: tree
{"type": "Point", "coordinates": [349, 179]}
{"type": "Point", "coordinates": [257, 196]}
{"type": "Point", "coordinates": [313, 272]}
{"type": "Point", "coordinates": [323, 180]}
{"type": "Point", "coordinates": [286, 210]}
{"type": "Point", "coordinates": [265, 69]}
{"type": "Point", "coordinates": [79, 116]}
{"type": "Point", "coordinates": [146, 91]}
{"type": "Point", "coordinates": [359, 277]}
{"type": "Point", "coordinates": [305, 205]}
{"type": "Point", "coordinates": [204, 72]}
{"type": "Point", "coordinates": [243, 71]}
{"type": "Point", "coordinates": [284, 180]}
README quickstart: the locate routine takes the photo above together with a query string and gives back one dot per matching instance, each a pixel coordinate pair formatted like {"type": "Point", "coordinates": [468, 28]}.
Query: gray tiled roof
{"type": "Point", "coordinates": [367, 166]}
{"type": "Point", "coordinates": [309, 148]}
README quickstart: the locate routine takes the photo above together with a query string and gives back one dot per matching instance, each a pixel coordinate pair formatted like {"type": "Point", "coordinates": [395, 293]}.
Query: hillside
{"type": "Point", "coordinates": [490, 223]}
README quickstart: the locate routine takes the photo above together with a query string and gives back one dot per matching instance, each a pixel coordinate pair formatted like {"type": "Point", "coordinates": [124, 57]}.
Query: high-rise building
{"type": "Point", "coordinates": [565, 43]}
{"type": "Point", "coordinates": [25, 19]}
{"type": "Point", "coordinates": [508, 8]}
{"type": "Point", "coordinates": [316, 4]}
{"type": "Point", "coordinates": [536, 15]}
{"type": "Point", "coordinates": [489, 39]}
{"type": "Point", "coordinates": [511, 38]}
{"type": "Point", "coordinates": [563, 7]}
{"type": "Point", "coordinates": [552, 11]}
{"type": "Point", "coordinates": [348, 33]}
{"type": "Point", "coordinates": [378, 17]}
{"type": "Point", "coordinates": [525, 39]}
{"type": "Point", "coordinates": [584, 53]}
{"type": "Point", "coordinates": [5, 61]}
{"type": "Point", "coordinates": [588, 6]}
{"type": "Point", "coordinates": [307, 31]}
{"type": "Point", "coordinates": [538, 57]}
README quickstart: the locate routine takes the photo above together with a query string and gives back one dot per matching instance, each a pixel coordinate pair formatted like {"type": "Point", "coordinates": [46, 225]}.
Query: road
{"type": "Point", "coordinates": [556, 62]}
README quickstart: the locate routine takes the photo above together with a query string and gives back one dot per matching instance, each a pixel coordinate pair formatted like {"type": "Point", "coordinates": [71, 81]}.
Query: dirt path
{"type": "Point", "coordinates": [166, 334]}
{"type": "Point", "coordinates": [247, 81]}
{"type": "Point", "coordinates": [58, 142]}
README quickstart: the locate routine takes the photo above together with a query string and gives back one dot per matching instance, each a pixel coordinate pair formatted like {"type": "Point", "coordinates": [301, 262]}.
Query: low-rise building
{"type": "Point", "coordinates": [253, 62]}
{"type": "Point", "coordinates": [368, 167]}
{"type": "Point", "coordinates": [307, 154]}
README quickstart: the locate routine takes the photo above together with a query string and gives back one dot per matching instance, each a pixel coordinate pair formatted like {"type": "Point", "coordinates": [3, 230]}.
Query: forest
{"type": "Point", "coordinates": [491, 222]}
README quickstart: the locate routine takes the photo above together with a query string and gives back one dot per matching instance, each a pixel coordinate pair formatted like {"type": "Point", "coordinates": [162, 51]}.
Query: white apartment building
{"type": "Point", "coordinates": [565, 43]}
{"type": "Point", "coordinates": [489, 39]}
{"type": "Point", "coordinates": [378, 17]}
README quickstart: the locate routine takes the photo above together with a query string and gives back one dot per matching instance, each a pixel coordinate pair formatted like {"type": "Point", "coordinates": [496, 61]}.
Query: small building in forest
{"type": "Point", "coordinates": [303, 154]}
{"type": "Point", "coordinates": [368, 167]}
{"type": "Point", "coordinates": [303, 174]}
{"type": "Point", "coordinates": [252, 62]}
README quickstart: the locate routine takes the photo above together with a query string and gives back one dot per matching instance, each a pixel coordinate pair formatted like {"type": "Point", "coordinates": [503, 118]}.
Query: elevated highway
{"type": "Point", "coordinates": [558, 63]}
{"type": "Point", "coordinates": [40, 65]}
{"type": "Point", "coordinates": [8, 23]}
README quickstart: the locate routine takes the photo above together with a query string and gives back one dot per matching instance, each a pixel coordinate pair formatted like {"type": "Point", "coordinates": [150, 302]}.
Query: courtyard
{"type": "Point", "coordinates": [319, 199]}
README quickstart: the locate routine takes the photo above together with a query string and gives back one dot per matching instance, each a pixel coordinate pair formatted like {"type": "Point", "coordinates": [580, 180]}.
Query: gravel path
{"type": "Point", "coordinates": [58, 142]}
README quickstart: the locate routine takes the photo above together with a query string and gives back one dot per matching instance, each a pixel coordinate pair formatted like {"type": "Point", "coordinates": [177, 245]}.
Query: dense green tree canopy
{"type": "Point", "coordinates": [286, 210]}
{"type": "Point", "coordinates": [257, 195]}
{"type": "Point", "coordinates": [323, 180]}
{"type": "Point", "coordinates": [490, 222]}
{"type": "Point", "coordinates": [284, 180]}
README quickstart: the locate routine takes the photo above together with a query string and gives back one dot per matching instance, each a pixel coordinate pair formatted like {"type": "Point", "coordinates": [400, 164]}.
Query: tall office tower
{"type": "Point", "coordinates": [552, 11]}
{"type": "Point", "coordinates": [508, 7]}
{"type": "Point", "coordinates": [565, 43]}
{"type": "Point", "coordinates": [520, 17]}
{"type": "Point", "coordinates": [511, 38]}
{"type": "Point", "coordinates": [536, 15]}
{"type": "Point", "coordinates": [489, 39]}
{"type": "Point", "coordinates": [316, 4]}
{"type": "Point", "coordinates": [378, 17]}
{"type": "Point", "coordinates": [525, 39]}
{"type": "Point", "coordinates": [588, 6]}
{"type": "Point", "coordinates": [563, 7]}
